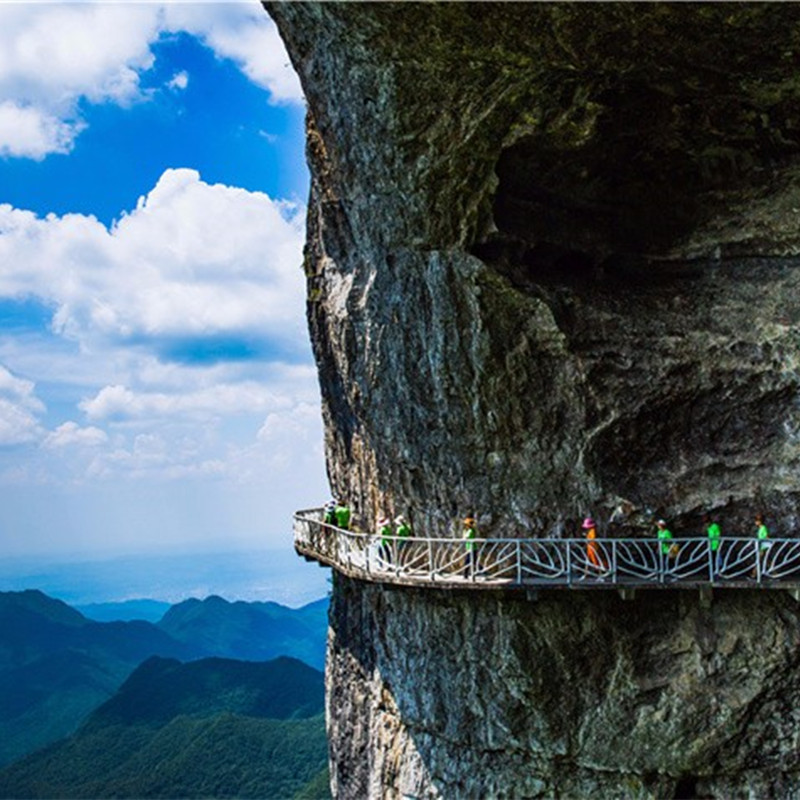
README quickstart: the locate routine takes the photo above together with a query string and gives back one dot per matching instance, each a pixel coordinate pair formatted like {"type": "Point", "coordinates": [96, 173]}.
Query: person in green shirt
{"type": "Point", "coordinates": [470, 533]}
{"type": "Point", "coordinates": [665, 538]}
{"type": "Point", "coordinates": [329, 516]}
{"type": "Point", "coordinates": [714, 532]}
{"type": "Point", "coordinates": [403, 528]}
{"type": "Point", "coordinates": [762, 534]}
{"type": "Point", "coordinates": [343, 516]}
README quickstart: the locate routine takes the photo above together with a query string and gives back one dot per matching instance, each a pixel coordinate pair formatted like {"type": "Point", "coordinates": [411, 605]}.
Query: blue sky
{"type": "Point", "coordinates": [157, 391]}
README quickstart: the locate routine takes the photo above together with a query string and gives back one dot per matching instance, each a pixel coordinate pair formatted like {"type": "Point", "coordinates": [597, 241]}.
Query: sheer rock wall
{"type": "Point", "coordinates": [579, 694]}
{"type": "Point", "coordinates": [552, 264]}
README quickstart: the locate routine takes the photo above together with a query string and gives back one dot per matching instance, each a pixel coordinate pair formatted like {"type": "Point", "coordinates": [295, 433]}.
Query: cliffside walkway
{"type": "Point", "coordinates": [625, 564]}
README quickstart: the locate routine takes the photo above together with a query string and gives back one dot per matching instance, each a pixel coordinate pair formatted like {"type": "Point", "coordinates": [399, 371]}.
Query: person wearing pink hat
{"type": "Point", "coordinates": [592, 555]}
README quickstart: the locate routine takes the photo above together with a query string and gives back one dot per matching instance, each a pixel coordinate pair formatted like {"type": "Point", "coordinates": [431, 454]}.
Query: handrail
{"type": "Point", "coordinates": [740, 562]}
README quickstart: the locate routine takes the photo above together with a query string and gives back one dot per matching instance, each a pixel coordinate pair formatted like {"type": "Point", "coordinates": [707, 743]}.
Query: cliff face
{"type": "Point", "coordinates": [552, 265]}
{"type": "Point", "coordinates": [581, 694]}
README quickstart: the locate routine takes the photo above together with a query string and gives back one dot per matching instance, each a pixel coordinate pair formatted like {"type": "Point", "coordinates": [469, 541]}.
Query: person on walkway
{"type": "Point", "coordinates": [470, 533]}
{"type": "Point", "coordinates": [592, 555]}
{"type": "Point", "coordinates": [665, 538]}
{"type": "Point", "coordinates": [403, 529]}
{"type": "Point", "coordinates": [714, 533]}
{"type": "Point", "coordinates": [762, 532]}
{"type": "Point", "coordinates": [385, 533]}
{"type": "Point", "coordinates": [329, 514]}
{"type": "Point", "coordinates": [343, 516]}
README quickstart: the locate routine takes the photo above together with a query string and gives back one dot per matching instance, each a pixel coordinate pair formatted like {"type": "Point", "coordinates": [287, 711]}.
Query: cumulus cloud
{"type": "Point", "coordinates": [119, 402]}
{"type": "Point", "coordinates": [291, 437]}
{"type": "Point", "coordinates": [241, 33]}
{"type": "Point", "coordinates": [19, 410]}
{"type": "Point", "coordinates": [202, 396]}
{"type": "Point", "coordinates": [193, 261]}
{"type": "Point", "coordinates": [17, 424]}
{"type": "Point", "coordinates": [70, 433]}
{"type": "Point", "coordinates": [96, 52]}
{"type": "Point", "coordinates": [30, 132]}
{"type": "Point", "coordinates": [50, 61]}
{"type": "Point", "coordinates": [19, 390]}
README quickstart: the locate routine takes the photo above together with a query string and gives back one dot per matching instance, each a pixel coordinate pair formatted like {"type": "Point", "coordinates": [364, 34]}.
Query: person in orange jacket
{"type": "Point", "coordinates": [592, 551]}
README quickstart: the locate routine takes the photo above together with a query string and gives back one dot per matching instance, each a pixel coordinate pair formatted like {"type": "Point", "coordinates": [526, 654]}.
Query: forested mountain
{"type": "Point", "coordinates": [56, 666]}
{"type": "Point", "coordinates": [251, 631]}
{"type": "Point", "coordinates": [210, 728]}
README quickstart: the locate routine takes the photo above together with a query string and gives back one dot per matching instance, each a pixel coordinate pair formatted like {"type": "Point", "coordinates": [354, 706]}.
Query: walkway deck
{"type": "Point", "coordinates": [624, 564]}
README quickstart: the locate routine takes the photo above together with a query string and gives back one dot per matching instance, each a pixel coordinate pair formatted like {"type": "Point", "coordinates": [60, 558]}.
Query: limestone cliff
{"type": "Point", "coordinates": [552, 264]}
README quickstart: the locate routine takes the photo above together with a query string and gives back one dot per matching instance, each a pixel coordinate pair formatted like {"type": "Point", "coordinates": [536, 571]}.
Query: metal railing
{"type": "Point", "coordinates": [575, 563]}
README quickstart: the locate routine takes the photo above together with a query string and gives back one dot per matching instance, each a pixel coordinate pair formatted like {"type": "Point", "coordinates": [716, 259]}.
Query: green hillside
{"type": "Point", "coordinates": [212, 728]}
{"type": "Point", "coordinates": [251, 631]}
{"type": "Point", "coordinates": [56, 666]}
{"type": "Point", "coordinates": [161, 689]}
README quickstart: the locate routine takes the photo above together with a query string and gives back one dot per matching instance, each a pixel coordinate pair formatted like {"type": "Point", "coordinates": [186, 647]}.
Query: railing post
{"type": "Point", "coordinates": [710, 563]}
{"type": "Point", "coordinates": [756, 544]}
{"type": "Point", "coordinates": [519, 562]}
{"type": "Point", "coordinates": [614, 562]}
{"type": "Point", "coordinates": [661, 576]}
{"type": "Point", "coordinates": [366, 556]}
{"type": "Point", "coordinates": [473, 559]}
{"type": "Point", "coordinates": [431, 572]}
{"type": "Point", "coordinates": [569, 561]}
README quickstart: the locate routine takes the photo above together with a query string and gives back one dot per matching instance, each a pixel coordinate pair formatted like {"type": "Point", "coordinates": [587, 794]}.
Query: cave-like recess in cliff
{"type": "Point", "coordinates": [632, 141]}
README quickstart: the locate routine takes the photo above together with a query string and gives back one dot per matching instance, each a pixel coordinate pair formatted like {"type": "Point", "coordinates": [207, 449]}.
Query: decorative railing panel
{"type": "Point", "coordinates": [738, 561]}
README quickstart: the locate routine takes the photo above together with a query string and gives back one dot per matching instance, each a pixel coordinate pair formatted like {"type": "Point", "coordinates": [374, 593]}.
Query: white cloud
{"type": "Point", "coordinates": [17, 424]}
{"type": "Point", "coordinates": [179, 81]}
{"type": "Point", "coordinates": [192, 261]}
{"type": "Point", "coordinates": [282, 389]}
{"type": "Point", "coordinates": [55, 55]}
{"type": "Point", "coordinates": [119, 402]}
{"type": "Point", "coordinates": [19, 408]}
{"type": "Point", "coordinates": [19, 391]}
{"type": "Point", "coordinates": [244, 34]}
{"type": "Point", "coordinates": [70, 433]}
{"type": "Point", "coordinates": [30, 132]}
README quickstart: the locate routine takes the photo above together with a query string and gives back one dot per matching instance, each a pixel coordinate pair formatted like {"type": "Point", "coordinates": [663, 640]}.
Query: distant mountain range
{"type": "Point", "coordinates": [56, 665]}
{"type": "Point", "coordinates": [211, 728]}
{"type": "Point", "coordinates": [124, 611]}
{"type": "Point", "coordinates": [251, 631]}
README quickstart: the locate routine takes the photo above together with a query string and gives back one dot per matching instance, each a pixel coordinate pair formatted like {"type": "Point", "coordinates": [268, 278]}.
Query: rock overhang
{"type": "Point", "coordinates": [551, 254]}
